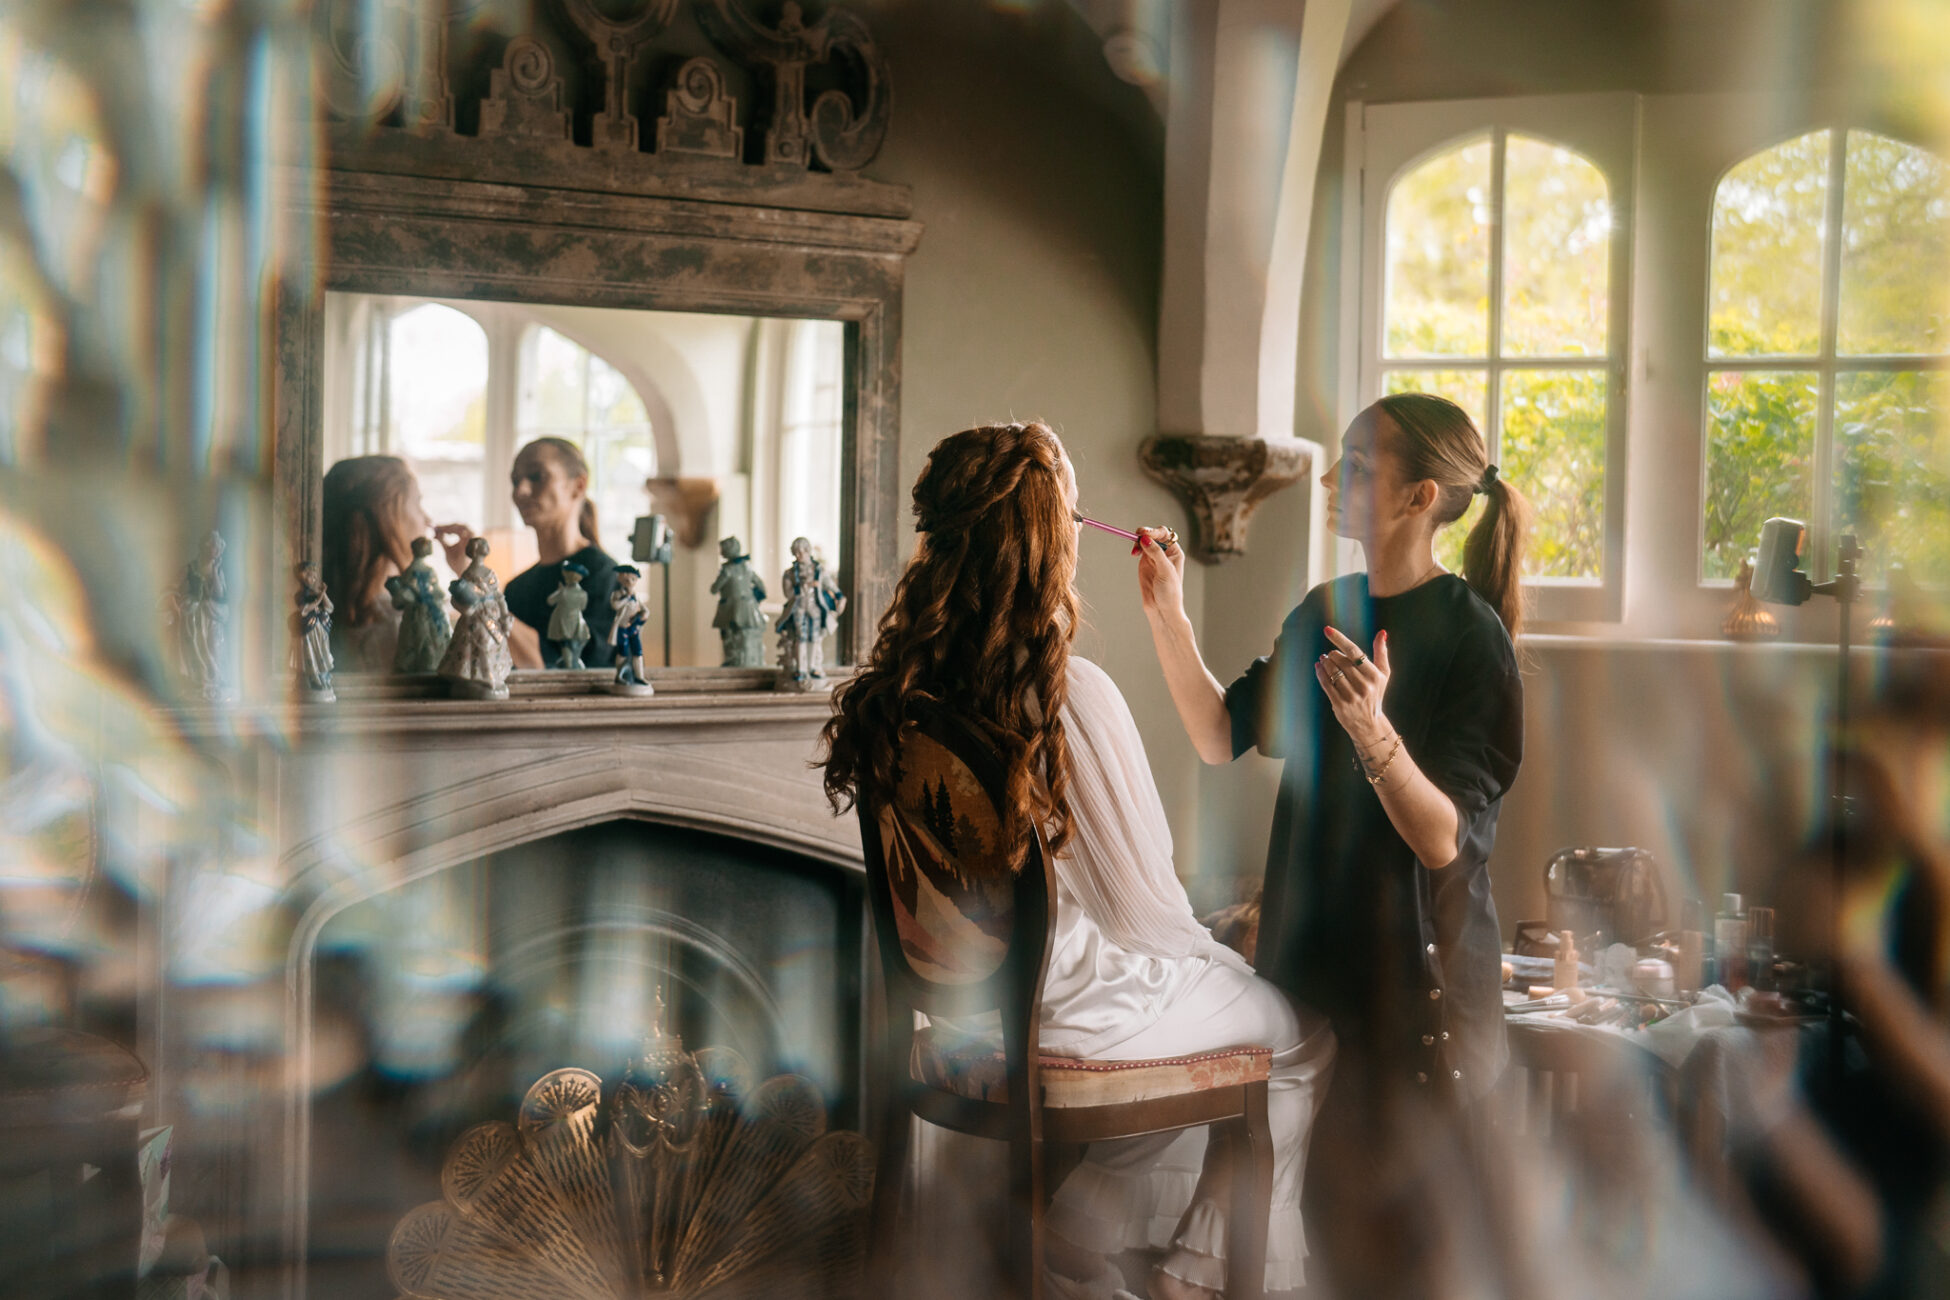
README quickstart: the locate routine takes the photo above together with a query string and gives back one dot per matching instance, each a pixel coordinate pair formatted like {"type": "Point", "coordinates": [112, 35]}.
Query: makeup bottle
{"type": "Point", "coordinates": [1564, 971]}
{"type": "Point", "coordinates": [1760, 948]}
{"type": "Point", "coordinates": [1689, 974]}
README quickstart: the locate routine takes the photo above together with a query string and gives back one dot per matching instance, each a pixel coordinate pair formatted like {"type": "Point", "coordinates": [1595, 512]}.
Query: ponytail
{"type": "Point", "coordinates": [586, 520]}
{"type": "Point", "coordinates": [1436, 440]}
{"type": "Point", "coordinates": [1493, 553]}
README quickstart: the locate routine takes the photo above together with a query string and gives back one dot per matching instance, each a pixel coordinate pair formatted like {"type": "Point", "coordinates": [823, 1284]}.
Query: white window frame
{"type": "Point", "coordinates": [1688, 145]}
{"type": "Point", "coordinates": [1827, 363]}
{"type": "Point", "coordinates": [1384, 142]}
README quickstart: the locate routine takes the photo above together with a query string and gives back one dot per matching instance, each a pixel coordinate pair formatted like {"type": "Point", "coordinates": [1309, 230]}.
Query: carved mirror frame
{"type": "Point", "coordinates": [521, 212]}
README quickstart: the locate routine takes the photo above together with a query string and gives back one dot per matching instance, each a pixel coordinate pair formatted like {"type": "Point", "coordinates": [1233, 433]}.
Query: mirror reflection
{"type": "Point", "coordinates": [549, 431]}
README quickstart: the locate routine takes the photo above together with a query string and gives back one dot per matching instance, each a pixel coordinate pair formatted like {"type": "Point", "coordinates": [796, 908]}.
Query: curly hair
{"type": "Point", "coordinates": [980, 624]}
{"type": "Point", "coordinates": [365, 533]}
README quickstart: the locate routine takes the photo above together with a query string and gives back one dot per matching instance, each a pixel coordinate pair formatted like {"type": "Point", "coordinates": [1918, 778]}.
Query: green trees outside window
{"type": "Point", "coordinates": [1497, 296]}
{"type": "Point", "coordinates": [1826, 355]}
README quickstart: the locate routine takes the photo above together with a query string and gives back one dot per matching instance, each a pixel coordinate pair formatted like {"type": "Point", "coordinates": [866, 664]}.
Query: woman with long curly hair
{"type": "Point", "coordinates": [372, 513]}
{"type": "Point", "coordinates": [982, 623]}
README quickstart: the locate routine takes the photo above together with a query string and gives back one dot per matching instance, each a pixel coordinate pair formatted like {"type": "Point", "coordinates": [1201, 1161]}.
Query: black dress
{"type": "Point", "coordinates": [527, 596]}
{"type": "Point", "coordinates": [1405, 960]}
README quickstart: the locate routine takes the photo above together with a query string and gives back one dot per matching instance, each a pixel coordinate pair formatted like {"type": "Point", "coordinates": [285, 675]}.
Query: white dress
{"type": "Point", "coordinates": [1133, 975]}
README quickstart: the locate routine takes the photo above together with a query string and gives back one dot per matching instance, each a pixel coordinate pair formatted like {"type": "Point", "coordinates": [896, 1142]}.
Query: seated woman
{"type": "Point", "coordinates": [551, 492]}
{"type": "Point", "coordinates": [982, 621]}
{"type": "Point", "coordinates": [371, 514]}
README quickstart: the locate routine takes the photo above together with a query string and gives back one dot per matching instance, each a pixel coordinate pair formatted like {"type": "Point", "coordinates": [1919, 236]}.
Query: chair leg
{"type": "Point", "coordinates": [889, 1175]}
{"type": "Point", "coordinates": [1026, 1210]}
{"type": "Point", "coordinates": [1252, 1201]}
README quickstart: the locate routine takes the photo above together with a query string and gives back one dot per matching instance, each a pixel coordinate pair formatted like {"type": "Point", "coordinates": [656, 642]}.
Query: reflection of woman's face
{"type": "Point", "coordinates": [544, 495]}
{"type": "Point", "coordinates": [413, 513]}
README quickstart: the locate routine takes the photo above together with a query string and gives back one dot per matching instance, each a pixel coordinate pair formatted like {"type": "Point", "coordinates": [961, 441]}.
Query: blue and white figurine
{"type": "Point", "coordinates": [626, 634]}
{"type": "Point", "coordinates": [566, 625]}
{"type": "Point", "coordinates": [477, 661]}
{"type": "Point", "coordinates": [200, 611]}
{"type": "Point", "coordinates": [740, 623]}
{"type": "Point", "coordinates": [423, 630]}
{"type": "Point", "coordinates": [813, 605]}
{"type": "Point", "coordinates": [311, 636]}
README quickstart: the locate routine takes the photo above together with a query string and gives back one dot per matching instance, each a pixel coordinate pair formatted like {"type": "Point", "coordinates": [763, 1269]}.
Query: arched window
{"type": "Point", "coordinates": [1827, 357]}
{"type": "Point", "coordinates": [1497, 295]}
{"type": "Point", "coordinates": [437, 422]}
{"type": "Point", "coordinates": [811, 417]}
{"type": "Point", "coordinates": [569, 392]}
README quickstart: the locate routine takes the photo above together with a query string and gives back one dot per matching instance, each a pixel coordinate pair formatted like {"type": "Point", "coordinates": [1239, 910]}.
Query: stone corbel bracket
{"type": "Point", "coordinates": [1222, 480]}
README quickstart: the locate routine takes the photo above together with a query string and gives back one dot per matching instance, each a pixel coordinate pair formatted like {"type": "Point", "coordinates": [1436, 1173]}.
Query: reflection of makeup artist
{"type": "Point", "coordinates": [550, 481]}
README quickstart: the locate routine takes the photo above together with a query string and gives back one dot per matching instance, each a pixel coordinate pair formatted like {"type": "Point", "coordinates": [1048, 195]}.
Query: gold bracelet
{"type": "Point", "coordinates": [1386, 763]}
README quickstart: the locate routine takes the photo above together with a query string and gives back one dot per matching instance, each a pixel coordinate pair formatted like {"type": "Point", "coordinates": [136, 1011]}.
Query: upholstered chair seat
{"type": "Point", "coordinates": [979, 1072]}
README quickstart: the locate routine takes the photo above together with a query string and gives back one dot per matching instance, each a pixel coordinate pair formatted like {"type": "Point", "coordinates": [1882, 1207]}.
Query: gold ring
{"type": "Point", "coordinates": [1171, 537]}
{"type": "Point", "coordinates": [1359, 660]}
{"type": "Point", "coordinates": [1337, 674]}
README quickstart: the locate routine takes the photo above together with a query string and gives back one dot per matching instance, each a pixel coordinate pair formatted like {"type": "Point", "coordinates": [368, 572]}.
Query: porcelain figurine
{"type": "Point", "coordinates": [566, 625]}
{"type": "Point", "coordinates": [423, 630]}
{"type": "Point", "coordinates": [199, 608]}
{"type": "Point", "coordinates": [813, 604]}
{"type": "Point", "coordinates": [740, 624]}
{"type": "Point", "coordinates": [626, 634]}
{"type": "Point", "coordinates": [477, 661]}
{"type": "Point", "coordinates": [311, 635]}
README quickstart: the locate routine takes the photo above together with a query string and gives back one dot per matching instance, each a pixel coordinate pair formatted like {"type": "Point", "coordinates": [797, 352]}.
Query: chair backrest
{"type": "Point", "coordinates": [958, 933]}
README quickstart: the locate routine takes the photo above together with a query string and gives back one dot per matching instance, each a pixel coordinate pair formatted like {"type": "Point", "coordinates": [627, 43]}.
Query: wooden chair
{"type": "Point", "coordinates": [958, 936]}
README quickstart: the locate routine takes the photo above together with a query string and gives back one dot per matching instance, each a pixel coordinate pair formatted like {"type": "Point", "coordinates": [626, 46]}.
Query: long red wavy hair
{"type": "Point", "coordinates": [981, 624]}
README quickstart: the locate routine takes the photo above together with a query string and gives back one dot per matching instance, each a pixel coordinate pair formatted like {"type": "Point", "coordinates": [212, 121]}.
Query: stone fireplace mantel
{"type": "Point", "coordinates": [382, 790]}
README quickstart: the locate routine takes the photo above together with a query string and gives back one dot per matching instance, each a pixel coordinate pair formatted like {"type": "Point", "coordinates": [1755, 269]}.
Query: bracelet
{"type": "Point", "coordinates": [1374, 778]}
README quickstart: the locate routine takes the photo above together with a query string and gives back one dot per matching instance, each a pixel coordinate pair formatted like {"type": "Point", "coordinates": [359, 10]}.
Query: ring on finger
{"type": "Point", "coordinates": [1337, 674]}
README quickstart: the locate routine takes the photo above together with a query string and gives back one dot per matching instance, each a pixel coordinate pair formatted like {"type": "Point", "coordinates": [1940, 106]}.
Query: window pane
{"type": "Point", "coordinates": [1556, 251]}
{"type": "Point", "coordinates": [1893, 470]}
{"type": "Point", "coordinates": [438, 363]}
{"type": "Point", "coordinates": [1760, 453]}
{"type": "Point", "coordinates": [1768, 215]}
{"type": "Point", "coordinates": [1895, 248]}
{"type": "Point", "coordinates": [1466, 388]}
{"type": "Point", "coordinates": [569, 392]}
{"type": "Point", "coordinates": [1437, 294]}
{"type": "Point", "coordinates": [1553, 450]}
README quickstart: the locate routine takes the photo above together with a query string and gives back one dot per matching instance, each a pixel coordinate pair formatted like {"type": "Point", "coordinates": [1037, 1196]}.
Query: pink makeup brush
{"type": "Point", "coordinates": [1170, 538]}
{"type": "Point", "coordinates": [1131, 537]}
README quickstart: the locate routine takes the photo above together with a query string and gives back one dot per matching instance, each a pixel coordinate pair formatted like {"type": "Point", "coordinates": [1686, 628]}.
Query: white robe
{"type": "Point", "coordinates": [1133, 975]}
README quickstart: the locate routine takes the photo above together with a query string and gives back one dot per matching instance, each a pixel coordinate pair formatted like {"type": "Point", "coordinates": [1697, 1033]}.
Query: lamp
{"type": "Point", "coordinates": [1779, 580]}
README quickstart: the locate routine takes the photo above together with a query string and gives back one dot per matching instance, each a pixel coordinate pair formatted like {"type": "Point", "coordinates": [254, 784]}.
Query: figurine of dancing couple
{"type": "Point", "coordinates": [477, 661]}
{"type": "Point", "coordinates": [813, 605]}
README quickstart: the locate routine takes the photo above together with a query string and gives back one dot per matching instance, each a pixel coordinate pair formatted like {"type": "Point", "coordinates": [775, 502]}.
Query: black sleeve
{"type": "Point", "coordinates": [1475, 735]}
{"type": "Point", "coordinates": [1256, 699]}
{"type": "Point", "coordinates": [600, 617]}
{"type": "Point", "coordinates": [527, 596]}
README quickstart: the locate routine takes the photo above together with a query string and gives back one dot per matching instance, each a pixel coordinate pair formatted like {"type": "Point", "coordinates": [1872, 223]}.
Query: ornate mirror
{"type": "Point", "coordinates": [644, 232]}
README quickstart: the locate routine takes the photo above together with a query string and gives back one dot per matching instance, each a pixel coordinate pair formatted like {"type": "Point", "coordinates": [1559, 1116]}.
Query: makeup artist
{"type": "Point", "coordinates": [1393, 697]}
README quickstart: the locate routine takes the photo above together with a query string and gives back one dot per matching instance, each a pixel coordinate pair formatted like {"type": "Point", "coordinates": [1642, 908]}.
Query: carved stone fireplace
{"type": "Point", "coordinates": [479, 894]}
